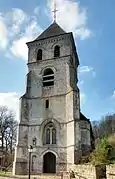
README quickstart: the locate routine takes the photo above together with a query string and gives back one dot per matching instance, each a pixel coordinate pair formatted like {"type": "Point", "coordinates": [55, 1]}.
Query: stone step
{"type": "Point", "coordinates": [42, 176]}
{"type": "Point", "coordinates": [48, 176]}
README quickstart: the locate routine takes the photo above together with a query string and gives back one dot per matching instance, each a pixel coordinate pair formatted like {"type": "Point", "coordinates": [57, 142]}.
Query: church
{"type": "Point", "coordinates": [50, 117]}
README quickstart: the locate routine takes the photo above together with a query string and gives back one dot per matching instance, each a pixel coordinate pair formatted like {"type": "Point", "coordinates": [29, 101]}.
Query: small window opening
{"type": "Point", "coordinates": [56, 51]}
{"type": "Point", "coordinates": [28, 89]}
{"type": "Point", "coordinates": [39, 55]}
{"type": "Point", "coordinates": [48, 77]}
{"type": "Point", "coordinates": [47, 104]}
{"type": "Point", "coordinates": [34, 142]}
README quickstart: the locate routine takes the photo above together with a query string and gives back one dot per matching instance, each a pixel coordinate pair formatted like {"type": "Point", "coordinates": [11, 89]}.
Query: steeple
{"type": "Point", "coordinates": [53, 30]}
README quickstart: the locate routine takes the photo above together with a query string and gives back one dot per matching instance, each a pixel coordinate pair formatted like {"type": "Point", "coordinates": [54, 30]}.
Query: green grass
{"type": "Point", "coordinates": [5, 173]}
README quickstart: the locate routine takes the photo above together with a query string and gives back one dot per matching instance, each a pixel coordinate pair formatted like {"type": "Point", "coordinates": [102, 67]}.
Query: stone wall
{"type": "Point", "coordinates": [88, 171]}
{"type": "Point", "coordinates": [110, 171]}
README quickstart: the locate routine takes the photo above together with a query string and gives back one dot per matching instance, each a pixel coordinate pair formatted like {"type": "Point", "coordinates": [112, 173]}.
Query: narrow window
{"type": "Point", "coordinates": [47, 136]}
{"type": "Point", "coordinates": [39, 55]}
{"type": "Point", "coordinates": [53, 136]}
{"type": "Point", "coordinates": [56, 51]}
{"type": "Point", "coordinates": [34, 142]}
{"type": "Point", "coordinates": [47, 104]}
{"type": "Point", "coordinates": [48, 77]}
{"type": "Point", "coordinates": [28, 89]}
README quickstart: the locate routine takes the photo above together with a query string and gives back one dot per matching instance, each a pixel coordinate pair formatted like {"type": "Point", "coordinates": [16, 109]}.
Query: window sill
{"type": "Point", "coordinates": [51, 145]}
{"type": "Point", "coordinates": [48, 87]}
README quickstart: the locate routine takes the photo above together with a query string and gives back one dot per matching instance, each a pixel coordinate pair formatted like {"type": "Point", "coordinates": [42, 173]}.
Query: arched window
{"type": "Point", "coordinates": [48, 77]}
{"type": "Point", "coordinates": [56, 51]}
{"type": "Point", "coordinates": [39, 55]}
{"type": "Point", "coordinates": [49, 134]}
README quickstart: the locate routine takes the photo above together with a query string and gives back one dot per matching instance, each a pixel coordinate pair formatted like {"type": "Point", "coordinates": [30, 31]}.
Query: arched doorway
{"type": "Point", "coordinates": [49, 163]}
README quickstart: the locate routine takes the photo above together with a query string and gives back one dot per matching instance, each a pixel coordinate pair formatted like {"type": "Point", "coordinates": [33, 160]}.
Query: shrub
{"type": "Point", "coordinates": [101, 153]}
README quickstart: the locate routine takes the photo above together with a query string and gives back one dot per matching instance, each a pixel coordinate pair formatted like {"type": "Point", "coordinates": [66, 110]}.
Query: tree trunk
{"type": "Point", "coordinates": [2, 142]}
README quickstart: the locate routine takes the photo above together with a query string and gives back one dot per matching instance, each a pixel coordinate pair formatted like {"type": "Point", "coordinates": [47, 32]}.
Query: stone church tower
{"type": "Point", "coordinates": [50, 118]}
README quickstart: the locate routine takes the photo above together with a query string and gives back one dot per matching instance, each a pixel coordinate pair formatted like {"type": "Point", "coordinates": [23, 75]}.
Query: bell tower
{"type": "Point", "coordinates": [50, 108]}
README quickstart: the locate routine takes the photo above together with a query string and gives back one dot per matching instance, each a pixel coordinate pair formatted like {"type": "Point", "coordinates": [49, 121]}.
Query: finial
{"type": "Point", "coordinates": [55, 10]}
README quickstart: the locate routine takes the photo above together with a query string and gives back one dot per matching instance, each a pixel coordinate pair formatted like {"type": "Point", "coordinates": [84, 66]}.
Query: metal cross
{"type": "Point", "coordinates": [55, 10]}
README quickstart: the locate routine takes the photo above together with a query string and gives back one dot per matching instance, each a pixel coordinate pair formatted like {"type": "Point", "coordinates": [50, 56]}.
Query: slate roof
{"type": "Point", "coordinates": [53, 30]}
{"type": "Point", "coordinates": [82, 117]}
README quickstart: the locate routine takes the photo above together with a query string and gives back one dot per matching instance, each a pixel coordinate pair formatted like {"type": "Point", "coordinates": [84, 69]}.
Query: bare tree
{"type": "Point", "coordinates": [8, 127]}
{"type": "Point", "coordinates": [105, 127]}
{"type": "Point", "coordinates": [12, 131]}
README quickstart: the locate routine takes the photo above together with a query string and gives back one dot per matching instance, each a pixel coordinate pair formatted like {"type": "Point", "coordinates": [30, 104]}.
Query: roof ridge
{"type": "Point", "coordinates": [52, 30]}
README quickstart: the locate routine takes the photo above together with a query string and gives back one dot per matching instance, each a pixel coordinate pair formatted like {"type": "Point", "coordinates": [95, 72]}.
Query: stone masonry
{"type": "Point", "coordinates": [50, 117]}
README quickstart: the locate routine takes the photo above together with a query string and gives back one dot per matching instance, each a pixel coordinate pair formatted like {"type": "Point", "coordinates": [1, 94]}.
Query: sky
{"type": "Point", "coordinates": [93, 25]}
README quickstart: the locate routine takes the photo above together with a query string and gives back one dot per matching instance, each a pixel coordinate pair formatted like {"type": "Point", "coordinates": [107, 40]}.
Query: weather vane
{"type": "Point", "coordinates": [55, 11]}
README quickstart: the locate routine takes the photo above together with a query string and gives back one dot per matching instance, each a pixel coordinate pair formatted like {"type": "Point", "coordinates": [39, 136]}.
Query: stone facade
{"type": "Point", "coordinates": [50, 111]}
